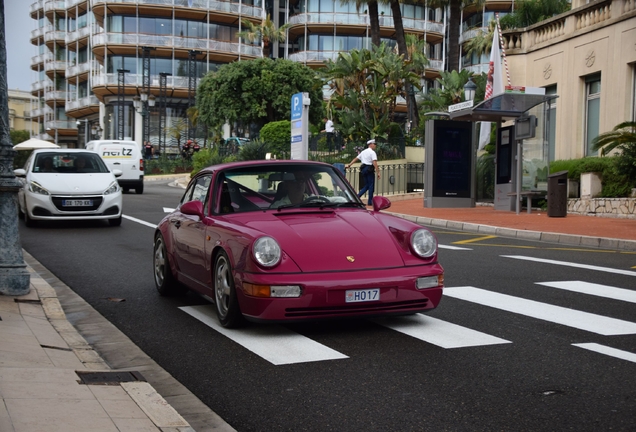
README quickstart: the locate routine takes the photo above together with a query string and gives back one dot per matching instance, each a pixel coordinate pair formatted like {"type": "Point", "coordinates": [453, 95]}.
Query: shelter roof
{"type": "Point", "coordinates": [505, 106]}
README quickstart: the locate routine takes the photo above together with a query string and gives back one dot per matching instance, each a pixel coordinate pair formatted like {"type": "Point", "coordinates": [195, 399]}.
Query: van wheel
{"type": "Point", "coordinates": [115, 222]}
{"type": "Point", "coordinates": [139, 189]}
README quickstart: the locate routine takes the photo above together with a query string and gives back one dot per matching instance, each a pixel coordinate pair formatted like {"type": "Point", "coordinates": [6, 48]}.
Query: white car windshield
{"type": "Point", "coordinates": [68, 163]}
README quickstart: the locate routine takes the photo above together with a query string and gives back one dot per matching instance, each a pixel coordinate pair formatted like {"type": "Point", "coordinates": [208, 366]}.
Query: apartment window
{"type": "Point", "coordinates": [592, 111]}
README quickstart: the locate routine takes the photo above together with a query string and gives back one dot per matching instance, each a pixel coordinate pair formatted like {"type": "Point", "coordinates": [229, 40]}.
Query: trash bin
{"type": "Point", "coordinates": [558, 194]}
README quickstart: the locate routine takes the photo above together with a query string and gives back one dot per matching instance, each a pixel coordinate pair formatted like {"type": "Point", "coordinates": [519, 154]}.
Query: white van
{"type": "Point", "coordinates": [125, 156]}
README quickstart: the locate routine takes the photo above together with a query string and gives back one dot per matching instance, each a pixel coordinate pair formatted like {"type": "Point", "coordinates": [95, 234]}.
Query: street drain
{"type": "Point", "coordinates": [109, 378]}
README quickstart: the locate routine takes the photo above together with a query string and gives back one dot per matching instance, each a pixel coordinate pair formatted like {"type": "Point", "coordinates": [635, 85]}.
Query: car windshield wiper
{"type": "Point", "coordinates": [342, 204]}
{"type": "Point", "coordinates": [320, 204]}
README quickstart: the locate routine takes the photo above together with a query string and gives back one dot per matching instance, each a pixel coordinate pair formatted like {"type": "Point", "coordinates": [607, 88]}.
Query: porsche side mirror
{"type": "Point", "coordinates": [380, 203]}
{"type": "Point", "coordinates": [193, 208]}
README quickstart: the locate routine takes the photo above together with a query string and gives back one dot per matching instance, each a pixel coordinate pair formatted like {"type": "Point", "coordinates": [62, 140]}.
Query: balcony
{"type": "Point", "coordinates": [78, 34]}
{"type": "Point", "coordinates": [63, 127]}
{"type": "Point", "coordinates": [37, 35]}
{"type": "Point", "coordinates": [38, 60]}
{"type": "Point", "coordinates": [55, 66]}
{"type": "Point", "coordinates": [314, 56]}
{"type": "Point", "coordinates": [36, 7]}
{"type": "Point", "coordinates": [110, 79]}
{"type": "Point", "coordinates": [410, 24]}
{"type": "Point", "coordinates": [82, 107]}
{"type": "Point", "coordinates": [40, 112]}
{"type": "Point", "coordinates": [72, 3]}
{"type": "Point", "coordinates": [39, 86]}
{"type": "Point", "coordinates": [54, 5]}
{"type": "Point", "coordinates": [202, 5]}
{"type": "Point", "coordinates": [159, 41]}
{"type": "Point", "coordinates": [83, 68]}
{"type": "Point", "coordinates": [55, 36]}
{"type": "Point", "coordinates": [470, 34]}
{"type": "Point", "coordinates": [54, 98]}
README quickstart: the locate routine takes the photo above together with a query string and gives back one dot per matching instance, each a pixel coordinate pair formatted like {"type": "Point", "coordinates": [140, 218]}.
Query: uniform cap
{"type": "Point", "coordinates": [371, 141]}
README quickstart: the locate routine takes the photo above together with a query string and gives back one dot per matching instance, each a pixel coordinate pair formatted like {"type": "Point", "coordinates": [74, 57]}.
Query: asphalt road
{"type": "Point", "coordinates": [499, 353]}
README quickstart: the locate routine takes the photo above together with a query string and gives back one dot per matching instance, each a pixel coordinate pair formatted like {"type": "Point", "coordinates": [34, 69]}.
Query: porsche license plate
{"type": "Point", "coordinates": [77, 203]}
{"type": "Point", "coordinates": [363, 295]}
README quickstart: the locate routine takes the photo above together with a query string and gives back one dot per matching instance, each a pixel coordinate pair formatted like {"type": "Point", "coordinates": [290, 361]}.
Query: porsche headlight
{"type": "Point", "coordinates": [423, 243]}
{"type": "Point", "coordinates": [266, 251]}
{"type": "Point", "coordinates": [35, 187]}
{"type": "Point", "coordinates": [114, 187]}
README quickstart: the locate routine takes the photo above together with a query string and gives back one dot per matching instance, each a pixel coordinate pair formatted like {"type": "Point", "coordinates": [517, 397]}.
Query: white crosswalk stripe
{"type": "Point", "coordinates": [438, 332]}
{"type": "Point", "coordinates": [569, 317]}
{"type": "Point", "coordinates": [571, 264]}
{"type": "Point", "coordinates": [594, 289]}
{"type": "Point", "coordinates": [276, 344]}
{"type": "Point", "coordinates": [613, 352]}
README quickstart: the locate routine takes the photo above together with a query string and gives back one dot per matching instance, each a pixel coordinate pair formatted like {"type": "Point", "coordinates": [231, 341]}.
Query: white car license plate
{"type": "Point", "coordinates": [77, 203]}
{"type": "Point", "coordinates": [363, 295]}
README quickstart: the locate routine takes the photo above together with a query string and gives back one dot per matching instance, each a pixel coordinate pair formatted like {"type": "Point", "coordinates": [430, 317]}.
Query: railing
{"type": "Point", "coordinates": [83, 68]}
{"type": "Point", "coordinates": [37, 5]}
{"type": "Point", "coordinates": [41, 58]}
{"type": "Point", "coordinates": [175, 42]}
{"type": "Point", "coordinates": [41, 85]}
{"type": "Point", "coordinates": [40, 112]}
{"type": "Point", "coordinates": [395, 178]}
{"type": "Point", "coordinates": [80, 33]}
{"type": "Point", "coordinates": [209, 5]}
{"type": "Point", "coordinates": [55, 65]}
{"type": "Point", "coordinates": [81, 103]}
{"type": "Point", "coordinates": [362, 20]}
{"type": "Point", "coordinates": [50, 5]}
{"type": "Point", "coordinates": [71, 3]}
{"type": "Point", "coordinates": [61, 124]}
{"type": "Point", "coordinates": [575, 21]}
{"type": "Point", "coordinates": [314, 56]}
{"type": "Point", "coordinates": [477, 69]}
{"type": "Point", "coordinates": [469, 34]}
{"type": "Point", "coordinates": [55, 95]}
{"type": "Point", "coordinates": [38, 32]}
{"type": "Point", "coordinates": [54, 35]}
{"type": "Point", "coordinates": [136, 80]}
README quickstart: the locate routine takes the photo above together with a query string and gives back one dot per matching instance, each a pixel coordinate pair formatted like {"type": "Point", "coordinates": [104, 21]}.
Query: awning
{"type": "Point", "coordinates": [506, 106]}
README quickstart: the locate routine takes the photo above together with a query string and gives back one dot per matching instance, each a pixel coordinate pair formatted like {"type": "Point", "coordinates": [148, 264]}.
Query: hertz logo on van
{"type": "Point", "coordinates": [117, 152]}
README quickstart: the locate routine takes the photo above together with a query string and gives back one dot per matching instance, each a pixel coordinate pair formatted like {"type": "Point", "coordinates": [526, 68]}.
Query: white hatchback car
{"type": "Point", "coordinates": [68, 184]}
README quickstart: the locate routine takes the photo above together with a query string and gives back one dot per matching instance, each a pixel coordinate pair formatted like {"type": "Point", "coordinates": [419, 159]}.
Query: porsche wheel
{"type": "Point", "coordinates": [227, 307]}
{"type": "Point", "coordinates": [164, 280]}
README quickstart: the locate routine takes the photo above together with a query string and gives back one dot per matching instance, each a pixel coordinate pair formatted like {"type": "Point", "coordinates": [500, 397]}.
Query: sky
{"type": "Point", "coordinates": [18, 26]}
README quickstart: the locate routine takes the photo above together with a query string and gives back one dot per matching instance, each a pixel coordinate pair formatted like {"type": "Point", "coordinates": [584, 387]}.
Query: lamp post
{"type": "Point", "coordinates": [85, 121]}
{"type": "Point", "coordinates": [14, 276]}
{"type": "Point", "coordinates": [142, 103]}
{"type": "Point", "coordinates": [48, 130]}
{"type": "Point", "coordinates": [469, 90]}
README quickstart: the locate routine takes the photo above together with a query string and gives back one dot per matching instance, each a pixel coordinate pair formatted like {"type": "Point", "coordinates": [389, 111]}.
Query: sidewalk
{"type": "Point", "coordinates": [41, 351]}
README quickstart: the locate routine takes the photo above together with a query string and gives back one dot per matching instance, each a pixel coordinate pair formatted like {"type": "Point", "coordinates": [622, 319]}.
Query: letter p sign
{"type": "Point", "coordinates": [297, 106]}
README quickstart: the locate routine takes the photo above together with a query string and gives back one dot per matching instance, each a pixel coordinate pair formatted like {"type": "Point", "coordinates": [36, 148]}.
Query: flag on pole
{"type": "Point", "coordinates": [494, 85]}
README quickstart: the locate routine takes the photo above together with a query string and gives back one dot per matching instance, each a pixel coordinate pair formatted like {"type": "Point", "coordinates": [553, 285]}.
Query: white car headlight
{"type": "Point", "coordinates": [423, 243]}
{"type": "Point", "coordinates": [266, 251]}
{"type": "Point", "coordinates": [36, 188]}
{"type": "Point", "coordinates": [113, 188]}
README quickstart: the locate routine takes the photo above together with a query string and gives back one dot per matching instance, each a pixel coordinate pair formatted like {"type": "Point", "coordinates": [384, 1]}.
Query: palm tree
{"type": "Point", "coordinates": [266, 33]}
{"type": "Point", "coordinates": [623, 136]}
{"type": "Point", "coordinates": [374, 17]}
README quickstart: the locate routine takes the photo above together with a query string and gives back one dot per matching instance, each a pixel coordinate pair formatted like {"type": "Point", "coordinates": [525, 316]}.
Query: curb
{"type": "Point", "coordinates": [143, 394]}
{"type": "Point", "coordinates": [567, 239]}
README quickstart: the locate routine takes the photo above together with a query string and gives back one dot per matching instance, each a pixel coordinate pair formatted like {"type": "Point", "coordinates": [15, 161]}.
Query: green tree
{"type": "Point", "coordinates": [277, 135]}
{"type": "Point", "coordinates": [256, 92]}
{"type": "Point", "coordinates": [366, 84]}
{"type": "Point", "coordinates": [451, 91]}
{"type": "Point", "coordinates": [266, 32]}
{"type": "Point", "coordinates": [622, 138]}
{"type": "Point", "coordinates": [18, 136]}
{"type": "Point", "coordinates": [528, 12]}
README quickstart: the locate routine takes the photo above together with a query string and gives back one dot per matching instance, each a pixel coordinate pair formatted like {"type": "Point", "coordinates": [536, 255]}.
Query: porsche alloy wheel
{"type": "Point", "coordinates": [164, 280]}
{"type": "Point", "coordinates": [227, 307]}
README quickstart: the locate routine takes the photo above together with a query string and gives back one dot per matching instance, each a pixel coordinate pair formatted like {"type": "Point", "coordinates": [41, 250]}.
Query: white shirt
{"type": "Point", "coordinates": [329, 126]}
{"type": "Point", "coordinates": [367, 156]}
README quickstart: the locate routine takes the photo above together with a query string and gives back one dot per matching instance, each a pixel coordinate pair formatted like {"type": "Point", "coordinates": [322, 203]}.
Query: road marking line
{"type": "Point", "coordinates": [452, 247]}
{"type": "Point", "coordinates": [276, 344]}
{"type": "Point", "coordinates": [570, 264]}
{"type": "Point", "coordinates": [488, 237]}
{"type": "Point", "coordinates": [139, 221]}
{"type": "Point", "coordinates": [438, 332]}
{"type": "Point", "coordinates": [569, 317]}
{"type": "Point", "coordinates": [613, 352]}
{"type": "Point", "coordinates": [594, 289]}
{"type": "Point", "coordinates": [168, 210]}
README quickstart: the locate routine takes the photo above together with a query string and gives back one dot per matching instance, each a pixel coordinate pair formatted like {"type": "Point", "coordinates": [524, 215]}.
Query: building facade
{"type": "Point", "coordinates": [20, 109]}
{"type": "Point", "coordinates": [129, 68]}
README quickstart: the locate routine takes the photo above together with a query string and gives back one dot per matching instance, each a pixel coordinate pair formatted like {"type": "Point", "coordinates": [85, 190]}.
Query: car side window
{"type": "Point", "coordinates": [198, 190]}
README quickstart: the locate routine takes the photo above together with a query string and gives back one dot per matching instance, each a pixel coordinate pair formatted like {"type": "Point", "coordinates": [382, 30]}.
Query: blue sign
{"type": "Point", "coordinates": [297, 106]}
{"type": "Point", "coordinates": [297, 138]}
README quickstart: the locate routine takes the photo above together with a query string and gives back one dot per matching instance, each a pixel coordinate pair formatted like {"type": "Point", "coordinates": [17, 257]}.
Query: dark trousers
{"type": "Point", "coordinates": [369, 187]}
{"type": "Point", "coordinates": [330, 141]}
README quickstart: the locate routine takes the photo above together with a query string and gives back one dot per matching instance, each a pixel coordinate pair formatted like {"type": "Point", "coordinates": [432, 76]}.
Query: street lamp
{"type": "Point", "coordinates": [96, 130]}
{"type": "Point", "coordinates": [469, 90]}
{"type": "Point", "coordinates": [85, 129]}
{"type": "Point", "coordinates": [142, 103]}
